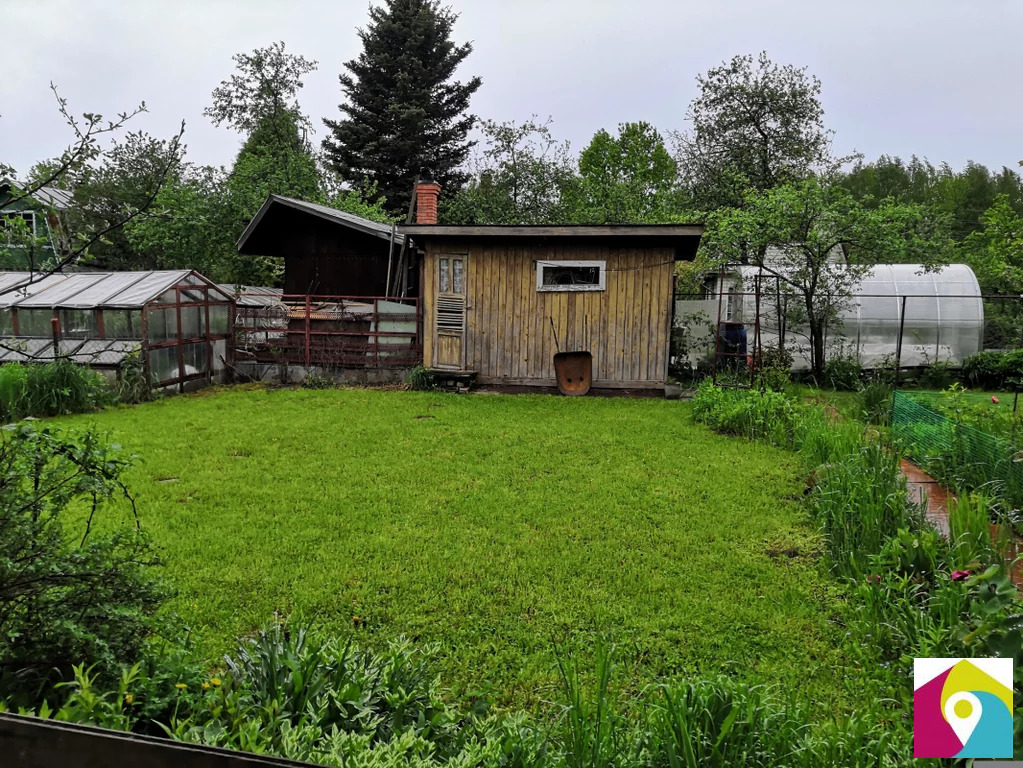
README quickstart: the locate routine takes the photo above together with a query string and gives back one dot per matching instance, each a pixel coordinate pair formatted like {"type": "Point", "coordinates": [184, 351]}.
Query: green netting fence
{"type": "Point", "coordinates": [957, 454]}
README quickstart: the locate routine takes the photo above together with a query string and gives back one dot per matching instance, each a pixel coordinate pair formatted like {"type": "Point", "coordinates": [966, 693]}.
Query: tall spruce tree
{"type": "Point", "coordinates": [404, 113]}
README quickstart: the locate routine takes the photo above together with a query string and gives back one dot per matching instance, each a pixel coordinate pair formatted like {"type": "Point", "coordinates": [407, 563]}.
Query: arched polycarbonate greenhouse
{"type": "Point", "coordinates": [178, 321]}
{"type": "Point", "coordinates": [896, 311]}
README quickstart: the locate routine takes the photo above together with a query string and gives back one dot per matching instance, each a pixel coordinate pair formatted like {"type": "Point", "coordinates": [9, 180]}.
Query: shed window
{"type": "Point", "coordinates": [570, 275]}
{"type": "Point", "coordinates": [15, 225]}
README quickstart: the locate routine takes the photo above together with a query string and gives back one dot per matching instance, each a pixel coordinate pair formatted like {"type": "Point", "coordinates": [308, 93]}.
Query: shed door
{"type": "Point", "coordinates": [449, 316]}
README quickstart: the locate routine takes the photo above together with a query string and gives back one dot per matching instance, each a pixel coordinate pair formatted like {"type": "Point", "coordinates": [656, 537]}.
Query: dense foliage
{"type": "Point", "coordinates": [298, 695]}
{"type": "Point", "coordinates": [68, 593]}
{"type": "Point", "coordinates": [915, 594]}
{"type": "Point", "coordinates": [994, 370]}
{"type": "Point", "coordinates": [50, 389]}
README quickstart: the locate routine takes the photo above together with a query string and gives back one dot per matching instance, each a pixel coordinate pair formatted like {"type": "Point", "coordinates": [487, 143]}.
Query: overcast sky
{"type": "Point", "coordinates": [938, 78]}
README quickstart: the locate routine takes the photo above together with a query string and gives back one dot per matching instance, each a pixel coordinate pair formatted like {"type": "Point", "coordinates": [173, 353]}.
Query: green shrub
{"type": "Point", "coordinates": [324, 700]}
{"type": "Point", "coordinates": [316, 381]}
{"type": "Point", "coordinates": [842, 372]}
{"type": "Point", "coordinates": [133, 385]}
{"type": "Point", "coordinates": [775, 368]}
{"type": "Point", "coordinates": [860, 503]}
{"type": "Point", "coordinates": [62, 387]}
{"type": "Point", "coordinates": [938, 375]}
{"type": "Point", "coordinates": [969, 522]}
{"type": "Point", "coordinates": [994, 370]}
{"type": "Point", "coordinates": [67, 593]}
{"type": "Point", "coordinates": [419, 379]}
{"type": "Point", "coordinates": [768, 415]}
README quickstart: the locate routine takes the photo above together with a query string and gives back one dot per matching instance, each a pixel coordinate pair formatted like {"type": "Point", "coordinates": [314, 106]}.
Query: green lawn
{"type": "Point", "coordinates": [495, 526]}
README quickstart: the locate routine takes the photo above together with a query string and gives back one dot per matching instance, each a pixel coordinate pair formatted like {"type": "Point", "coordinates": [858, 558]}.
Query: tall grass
{"type": "Point", "coordinates": [969, 522]}
{"type": "Point", "coordinates": [49, 389]}
{"type": "Point", "coordinates": [860, 502]}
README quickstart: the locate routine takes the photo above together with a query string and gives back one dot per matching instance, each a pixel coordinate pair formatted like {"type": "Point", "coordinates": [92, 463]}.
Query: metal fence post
{"type": "Point", "coordinates": [308, 330]}
{"type": "Point", "coordinates": [898, 343]}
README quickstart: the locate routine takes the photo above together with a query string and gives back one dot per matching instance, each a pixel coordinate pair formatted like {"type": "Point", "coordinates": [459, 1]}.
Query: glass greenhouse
{"type": "Point", "coordinates": [940, 315]}
{"type": "Point", "coordinates": [178, 321]}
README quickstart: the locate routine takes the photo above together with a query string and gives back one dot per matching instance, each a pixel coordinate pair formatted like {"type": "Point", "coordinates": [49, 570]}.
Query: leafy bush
{"type": "Point", "coordinates": [768, 415]}
{"type": "Point", "coordinates": [776, 366]}
{"type": "Point", "coordinates": [842, 372]}
{"type": "Point", "coordinates": [66, 594]}
{"type": "Point", "coordinates": [938, 375]}
{"type": "Point", "coordinates": [316, 381]}
{"type": "Point", "coordinates": [861, 503]}
{"type": "Point", "coordinates": [295, 695]}
{"type": "Point", "coordinates": [419, 379]}
{"type": "Point", "coordinates": [994, 370]}
{"type": "Point", "coordinates": [133, 385]}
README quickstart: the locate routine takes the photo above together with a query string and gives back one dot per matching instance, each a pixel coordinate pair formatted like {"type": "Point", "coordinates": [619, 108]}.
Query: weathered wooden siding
{"type": "Point", "coordinates": [508, 322]}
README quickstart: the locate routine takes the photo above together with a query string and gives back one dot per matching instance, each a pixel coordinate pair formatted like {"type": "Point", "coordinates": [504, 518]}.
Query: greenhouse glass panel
{"type": "Point", "coordinates": [6, 322]}
{"type": "Point", "coordinates": [35, 322]}
{"type": "Point", "coordinates": [162, 325]}
{"type": "Point", "coordinates": [163, 364]}
{"type": "Point", "coordinates": [195, 358]}
{"type": "Point", "coordinates": [78, 323]}
{"type": "Point", "coordinates": [122, 323]}
{"type": "Point", "coordinates": [145, 290]}
{"type": "Point", "coordinates": [193, 322]}
{"type": "Point", "coordinates": [219, 316]}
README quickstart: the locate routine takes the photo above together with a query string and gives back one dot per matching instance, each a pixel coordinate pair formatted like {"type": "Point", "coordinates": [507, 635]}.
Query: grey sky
{"type": "Point", "coordinates": [939, 78]}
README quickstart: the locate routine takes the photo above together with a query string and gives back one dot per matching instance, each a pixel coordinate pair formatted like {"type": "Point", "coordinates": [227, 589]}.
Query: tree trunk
{"type": "Point", "coordinates": [816, 342]}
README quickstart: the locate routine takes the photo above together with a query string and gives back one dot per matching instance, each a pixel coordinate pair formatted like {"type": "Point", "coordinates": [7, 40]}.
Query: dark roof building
{"type": "Point", "coordinates": [326, 252]}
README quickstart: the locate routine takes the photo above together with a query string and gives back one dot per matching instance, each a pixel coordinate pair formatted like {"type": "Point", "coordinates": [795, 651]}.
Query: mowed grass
{"type": "Point", "coordinates": [497, 527]}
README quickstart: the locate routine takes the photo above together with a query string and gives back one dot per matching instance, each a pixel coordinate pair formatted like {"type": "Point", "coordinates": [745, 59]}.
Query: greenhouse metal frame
{"type": "Point", "coordinates": [179, 321]}
{"type": "Point", "coordinates": [898, 313]}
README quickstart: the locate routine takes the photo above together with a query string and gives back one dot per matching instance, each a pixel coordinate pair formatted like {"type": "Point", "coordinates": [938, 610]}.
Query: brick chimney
{"type": "Point", "coordinates": [427, 194]}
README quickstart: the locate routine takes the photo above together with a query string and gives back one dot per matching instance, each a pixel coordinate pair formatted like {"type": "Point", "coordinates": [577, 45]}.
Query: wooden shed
{"type": "Point", "coordinates": [500, 301]}
{"type": "Point", "coordinates": [326, 252]}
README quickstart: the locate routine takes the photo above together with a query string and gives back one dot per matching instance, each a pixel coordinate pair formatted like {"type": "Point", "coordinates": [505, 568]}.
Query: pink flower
{"type": "Point", "coordinates": [874, 578]}
{"type": "Point", "coordinates": [960, 575]}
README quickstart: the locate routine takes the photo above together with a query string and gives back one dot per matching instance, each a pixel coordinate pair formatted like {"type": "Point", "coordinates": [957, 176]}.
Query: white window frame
{"type": "Point", "coordinates": [7, 239]}
{"type": "Point", "coordinates": [542, 265]}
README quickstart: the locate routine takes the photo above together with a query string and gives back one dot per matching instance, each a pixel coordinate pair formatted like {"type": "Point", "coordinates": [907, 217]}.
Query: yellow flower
{"type": "Point", "coordinates": [181, 686]}
{"type": "Point", "coordinates": [128, 698]}
{"type": "Point", "coordinates": [216, 682]}
{"type": "Point", "coordinates": [205, 686]}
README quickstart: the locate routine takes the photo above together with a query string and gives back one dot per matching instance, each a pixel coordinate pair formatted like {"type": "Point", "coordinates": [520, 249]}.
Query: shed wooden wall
{"type": "Point", "coordinates": [508, 322]}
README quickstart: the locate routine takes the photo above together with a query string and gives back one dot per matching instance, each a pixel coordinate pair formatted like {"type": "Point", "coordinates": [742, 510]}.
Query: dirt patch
{"type": "Point", "coordinates": [789, 553]}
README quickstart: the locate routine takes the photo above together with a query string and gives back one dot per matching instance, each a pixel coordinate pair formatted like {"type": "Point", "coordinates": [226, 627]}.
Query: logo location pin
{"type": "Point", "coordinates": [962, 711]}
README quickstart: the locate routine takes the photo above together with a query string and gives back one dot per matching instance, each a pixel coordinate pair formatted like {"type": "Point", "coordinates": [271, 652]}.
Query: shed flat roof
{"type": "Point", "coordinates": [683, 238]}
{"type": "Point", "coordinates": [559, 230]}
